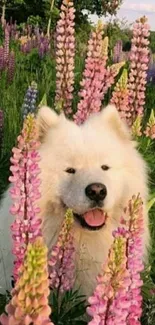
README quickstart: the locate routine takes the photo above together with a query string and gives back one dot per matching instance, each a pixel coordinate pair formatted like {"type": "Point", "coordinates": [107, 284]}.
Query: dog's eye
{"type": "Point", "coordinates": [70, 171]}
{"type": "Point", "coordinates": [105, 167]}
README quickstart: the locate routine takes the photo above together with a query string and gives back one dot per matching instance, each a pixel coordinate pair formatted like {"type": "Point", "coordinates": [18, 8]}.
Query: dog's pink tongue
{"type": "Point", "coordinates": [94, 217]}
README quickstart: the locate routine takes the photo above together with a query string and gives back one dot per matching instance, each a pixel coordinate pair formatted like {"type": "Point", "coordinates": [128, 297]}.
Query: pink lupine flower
{"type": "Point", "coordinates": [93, 75]}
{"type": "Point", "coordinates": [111, 72]}
{"type": "Point", "coordinates": [139, 59]}
{"type": "Point", "coordinates": [62, 266]}
{"type": "Point", "coordinates": [29, 303]}
{"type": "Point", "coordinates": [96, 77]}
{"type": "Point", "coordinates": [150, 127]}
{"type": "Point", "coordinates": [117, 298]}
{"type": "Point", "coordinates": [25, 191]}
{"type": "Point", "coordinates": [133, 220]}
{"type": "Point", "coordinates": [120, 97]}
{"type": "Point", "coordinates": [6, 45]}
{"type": "Point", "coordinates": [109, 305]}
{"type": "Point", "coordinates": [117, 51]}
{"type": "Point", "coordinates": [65, 54]}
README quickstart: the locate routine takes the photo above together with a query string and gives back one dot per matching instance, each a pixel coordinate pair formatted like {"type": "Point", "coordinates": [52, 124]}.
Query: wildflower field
{"type": "Point", "coordinates": [77, 70]}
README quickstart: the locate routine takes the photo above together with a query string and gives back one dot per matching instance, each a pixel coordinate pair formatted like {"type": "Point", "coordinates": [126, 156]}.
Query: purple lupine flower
{"type": "Point", "coordinates": [43, 46]}
{"type": "Point", "coordinates": [151, 74]}
{"type": "Point", "coordinates": [117, 51]}
{"type": "Point", "coordinates": [13, 30]}
{"type": "Point", "coordinates": [41, 50]}
{"type": "Point", "coordinates": [29, 105]}
{"type": "Point", "coordinates": [1, 130]}
{"type": "Point", "coordinates": [1, 58]}
{"type": "Point", "coordinates": [11, 67]}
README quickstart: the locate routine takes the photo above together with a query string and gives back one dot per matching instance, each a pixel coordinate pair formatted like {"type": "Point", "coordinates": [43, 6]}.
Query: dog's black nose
{"type": "Point", "coordinates": [96, 191]}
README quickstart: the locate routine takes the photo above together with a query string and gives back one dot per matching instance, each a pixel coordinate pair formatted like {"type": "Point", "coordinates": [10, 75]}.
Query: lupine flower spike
{"type": "Point", "coordinates": [29, 303]}
{"type": "Point", "coordinates": [25, 191]}
{"type": "Point", "coordinates": [65, 54]}
{"type": "Point", "coordinates": [96, 77]}
{"type": "Point", "coordinates": [29, 105]}
{"type": "Point", "coordinates": [62, 266]}
{"type": "Point", "coordinates": [11, 67]}
{"type": "Point", "coordinates": [93, 75]}
{"type": "Point", "coordinates": [109, 305]}
{"type": "Point", "coordinates": [6, 46]}
{"type": "Point", "coordinates": [139, 59]}
{"type": "Point", "coordinates": [117, 51]}
{"type": "Point", "coordinates": [120, 97]}
{"type": "Point", "coordinates": [117, 298]}
{"type": "Point", "coordinates": [134, 224]}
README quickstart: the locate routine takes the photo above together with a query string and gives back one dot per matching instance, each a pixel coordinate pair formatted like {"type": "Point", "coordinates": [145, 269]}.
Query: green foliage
{"type": "Point", "coordinates": [4, 299]}
{"type": "Point", "coordinates": [148, 316]}
{"type": "Point", "coordinates": [4, 172]}
{"type": "Point", "coordinates": [152, 41]}
{"type": "Point", "coordinates": [147, 148]}
{"type": "Point", "coordinates": [118, 30]}
{"type": "Point", "coordinates": [34, 20]}
{"type": "Point", "coordinates": [68, 308]}
{"type": "Point", "coordinates": [21, 10]}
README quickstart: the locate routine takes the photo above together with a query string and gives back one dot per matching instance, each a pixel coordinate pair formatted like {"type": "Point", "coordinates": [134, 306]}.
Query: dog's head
{"type": "Point", "coordinates": [93, 168]}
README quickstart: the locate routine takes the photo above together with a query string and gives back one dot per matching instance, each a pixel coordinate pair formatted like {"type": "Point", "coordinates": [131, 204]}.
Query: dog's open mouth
{"type": "Point", "coordinates": [93, 219]}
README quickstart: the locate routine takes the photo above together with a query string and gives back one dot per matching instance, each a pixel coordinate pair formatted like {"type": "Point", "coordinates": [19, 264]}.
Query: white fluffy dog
{"type": "Point", "coordinates": [94, 169]}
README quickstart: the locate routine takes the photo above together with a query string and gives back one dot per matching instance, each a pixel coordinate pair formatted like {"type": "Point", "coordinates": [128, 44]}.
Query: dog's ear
{"type": "Point", "coordinates": [111, 118]}
{"type": "Point", "coordinates": [46, 118]}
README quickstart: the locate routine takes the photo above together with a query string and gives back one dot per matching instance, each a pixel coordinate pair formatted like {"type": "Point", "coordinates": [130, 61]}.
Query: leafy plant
{"type": "Point", "coordinates": [69, 309]}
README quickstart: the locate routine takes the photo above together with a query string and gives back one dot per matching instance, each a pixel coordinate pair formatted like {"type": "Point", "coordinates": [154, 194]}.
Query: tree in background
{"type": "Point", "coordinates": [20, 10]}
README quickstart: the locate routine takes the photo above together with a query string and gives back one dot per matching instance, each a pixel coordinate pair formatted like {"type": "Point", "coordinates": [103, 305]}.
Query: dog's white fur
{"type": "Point", "coordinates": [103, 140]}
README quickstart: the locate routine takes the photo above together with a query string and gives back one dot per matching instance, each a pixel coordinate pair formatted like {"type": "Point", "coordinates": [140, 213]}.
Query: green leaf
{"type": "Point", "coordinates": [150, 203]}
{"type": "Point", "coordinates": [43, 101]}
{"type": "Point", "coordinates": [75, 311]}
